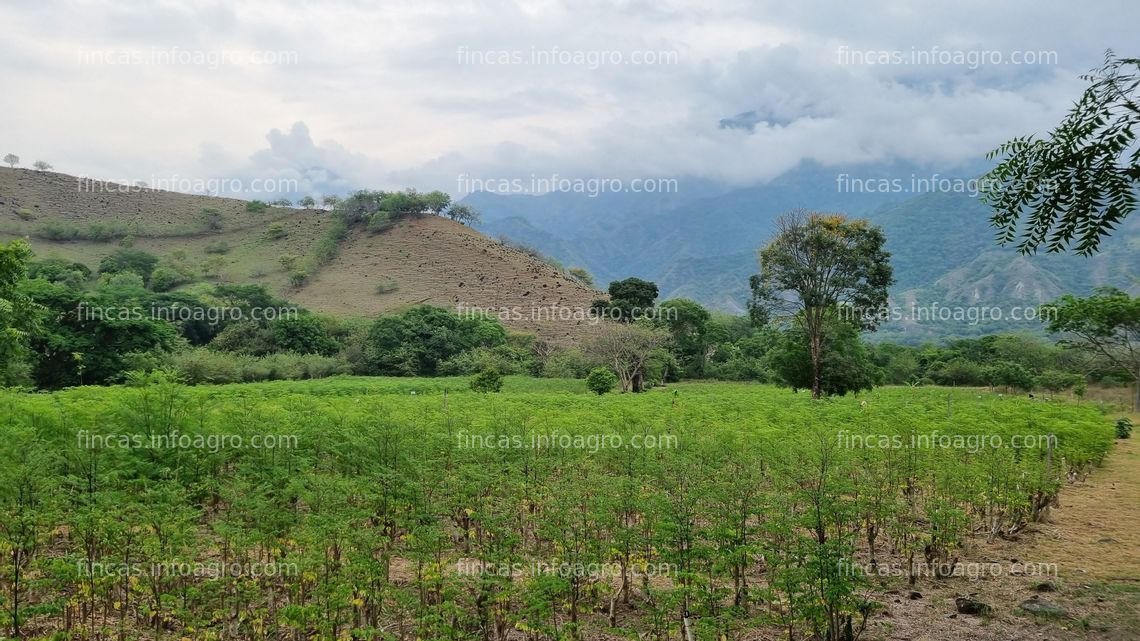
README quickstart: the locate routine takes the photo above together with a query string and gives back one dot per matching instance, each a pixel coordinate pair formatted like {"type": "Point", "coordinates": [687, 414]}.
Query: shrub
{"type": "Point", "coordinates": [387, 287]}
{"type": "Point", "coordinates": [1123, 427]}
{"type": "Point", "coordinates": [567, 363]}
{"type": "Point", "coordinates": [129, 260]}
{"type": "Point", "coordinates": [211, 219]}
{"type": "Point", "coordinates": [25, 214]}
{"type": "Point", "coordinates": [489, 380]}
{"type": "Point", "coordinates": [276, 231]}
{"type": "Point", "coordinates": [298, 278]}
{"type": "Point", "coordinates": [53, 230]}
{"type": "Point", "coordinates": [256, 206]}
{"type": "Point", "coordinates": [220, 247]}
{"type": "Point", "coordinates": [288, 261]}
{"type": "Point", "coordinates": [601, 380]}
{"type": "Point", "coordinates": [164, 279]}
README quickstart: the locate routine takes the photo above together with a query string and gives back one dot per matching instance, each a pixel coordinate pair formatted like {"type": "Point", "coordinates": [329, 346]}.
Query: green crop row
{"type": "Point", "coordinates": [415, 508]}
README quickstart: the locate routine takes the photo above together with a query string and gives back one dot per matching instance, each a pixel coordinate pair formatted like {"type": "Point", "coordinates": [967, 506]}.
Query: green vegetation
{"type": "Point", "coordinates": [380, 505]}
{"type": "Point", "coordinates": [1079, 183]}
{"type": "Point", "coordinates": [600, 380]}
{"type": "Point", "coordinates": [487, 381]}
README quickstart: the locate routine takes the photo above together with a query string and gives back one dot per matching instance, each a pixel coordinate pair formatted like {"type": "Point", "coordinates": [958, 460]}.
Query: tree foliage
{"type": "Point", "coordinates": [819, 268]}
{"type": "Point", "coordinates": [1080, 182]}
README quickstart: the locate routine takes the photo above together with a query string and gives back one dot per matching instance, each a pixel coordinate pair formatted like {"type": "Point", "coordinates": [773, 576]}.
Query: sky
{"type": "Point", "coordinates": [330, 96]}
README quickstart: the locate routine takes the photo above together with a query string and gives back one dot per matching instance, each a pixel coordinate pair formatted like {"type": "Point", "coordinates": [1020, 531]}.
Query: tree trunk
{"type": "Point", "coordinates": [815, 342]}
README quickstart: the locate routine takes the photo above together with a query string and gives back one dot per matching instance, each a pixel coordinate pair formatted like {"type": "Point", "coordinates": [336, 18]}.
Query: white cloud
{"type": "Point", "coordinates": [390, 91]}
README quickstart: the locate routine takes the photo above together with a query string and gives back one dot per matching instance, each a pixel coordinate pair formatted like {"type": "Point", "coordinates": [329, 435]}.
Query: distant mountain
{"type": "Point", "coordinates": [702, 244]}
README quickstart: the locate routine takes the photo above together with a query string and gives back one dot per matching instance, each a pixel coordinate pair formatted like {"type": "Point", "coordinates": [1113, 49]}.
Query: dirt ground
{"type": "Point", "coordinates": [1085, 558]}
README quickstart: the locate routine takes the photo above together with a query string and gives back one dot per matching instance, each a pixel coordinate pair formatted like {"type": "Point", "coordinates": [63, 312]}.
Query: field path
{"type": "Point", "coordinates": [1095, 533]}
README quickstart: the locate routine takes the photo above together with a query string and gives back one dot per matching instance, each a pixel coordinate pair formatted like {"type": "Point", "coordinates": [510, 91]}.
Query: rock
{"type": "Point", "coordinates": [1041, 606]}
{"type": "Point", "coordinates": [966, 605]}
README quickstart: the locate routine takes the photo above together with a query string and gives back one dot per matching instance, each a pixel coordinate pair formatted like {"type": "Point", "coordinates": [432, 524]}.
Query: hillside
{"type": "Point", "coordinates": [942, 246]}
{"type": "Point", "coordinates": [427, 260]}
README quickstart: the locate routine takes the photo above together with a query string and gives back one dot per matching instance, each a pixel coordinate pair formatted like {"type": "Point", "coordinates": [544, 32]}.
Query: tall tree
{"type": "Point", "coordinates": [19, 314]}
{"type": "Point", "coordinates": [1081, 181]}
{"type": "Point", "coordinates": [819, 268]}
{"type": "Point", "coordinates": [1106, 324]}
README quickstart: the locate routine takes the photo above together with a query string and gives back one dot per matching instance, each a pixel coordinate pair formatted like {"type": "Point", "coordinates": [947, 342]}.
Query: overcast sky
{"type": "Point", "coordinates": [344, 95]}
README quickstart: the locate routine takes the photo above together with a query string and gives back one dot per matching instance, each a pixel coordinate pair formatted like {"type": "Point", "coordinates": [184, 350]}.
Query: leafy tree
{"type": "Point", "coordinates": [12, 160]}
{"type": "Point", "coordinates": [256, 206]}
{"type": "Point", "coordinates": [845, 363]}
{"type": "Point", "coordinates": [626, 348]}
{"type": "Point", "coordinates": [628, 298]}
{"type": "Point", "coordinates": [129, 260]}
{"type": "Point", "coordinates": [1081, 181]}
{"type": "Point", "coordinates": [19, 314]}
{"type": "Point", "coordinates": [819, 268]}
{"type": "Point", "coordinates": [489, 380]}
{"type": "Point", "coordinates": [687, 322]}
{"type": "Point", "coordinates": [308, 202]}
{"type": "Point", "coordinates": [600, 380]}
{"type": "Point", "coordinates": [86, 338]}
{"type": "Point", "coordinates": [304, 334]}
{"type": "Point", "coordinates": [463, 214]}
{"type": "Point", "coordinates": [330, 201]}
{"type": "Point", "coordinates": [40, 165]}
{"type": "Point", "coordinates": [1008, 375]}
{"type": "Point", "coordinates": [416, 342]}
{"type": "Point", "coordinates": [1105, 325]}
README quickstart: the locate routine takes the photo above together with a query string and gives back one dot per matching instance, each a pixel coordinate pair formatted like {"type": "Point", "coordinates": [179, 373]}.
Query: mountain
{"type": "Point", "coordinates": [704, 246]}
{"type": "Point", "coordinates": [425, 260]}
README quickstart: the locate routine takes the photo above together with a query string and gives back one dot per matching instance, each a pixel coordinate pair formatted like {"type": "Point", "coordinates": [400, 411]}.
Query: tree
{"type": "Point", "coordinates": [819, 268]}
{"type": "Point", "coordinates": [464, 214]}
{"type": "Point", "coordinates": [416, 342]}
{"type": "Point", "coordinates": [330, 201]}
{"type": "Point", "coordinates": [600, 380]}
{"type": "Point", "coordinates": [12, 160]}
{"type": "Point", "coordinates": [1106, 325]}
{"type": "Point", "coordinates": [308, 202]}
{"type": "Point", "coordinates": [19, 314]}
{"type": "Point", "coordinates": [626, 348]}
{"type": "Point", "coordinates": [1080, 182]}
{"type": "Point", "coordinates": [40, 165]}
{"type": "Point", "coordinates": [686, 320]}
{"type": "Point", "coordinates": [303, 335]}
{"type": "Point", "coordinates": [129, 260]}
{"type": "Point", "coordinates": [629, 298]}
{"type": "Point", "coordinates": [845, 362]}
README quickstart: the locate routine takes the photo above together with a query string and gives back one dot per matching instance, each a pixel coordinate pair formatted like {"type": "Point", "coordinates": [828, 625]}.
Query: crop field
{"type": "Point", "coordinates": [372, 508]}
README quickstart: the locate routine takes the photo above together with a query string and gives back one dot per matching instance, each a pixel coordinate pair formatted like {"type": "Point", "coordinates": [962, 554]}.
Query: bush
{"type": "Point", "coordinates": [601, 380]}
{"type": "Point", "coordinates": [199, 366]}
{"type": "Point", "coordinates": [567, 363]}
{"type": "Point", "coordinates": [256, 206]}
{"type": "Point", "coordinates": [1123, 427]}
{"type": "Point", "coordinates": [53, 230]}
{"type": "Point", "coordinates": [220, 247]}
{"type": "Point", "coordinates": [164, 279]}
{"type": "Point", "coordinates": [387, 287]}
{"type": "Point", "coordinates": [489, 380]}
{"type": "Point", "coordinates": [298, 278]}
{"type": "Point", "coordinates": [129, 260]}
{"type": "Point", "coordinates": [25, 214]}
{"type": "Point", "coordinates": [276, 231]}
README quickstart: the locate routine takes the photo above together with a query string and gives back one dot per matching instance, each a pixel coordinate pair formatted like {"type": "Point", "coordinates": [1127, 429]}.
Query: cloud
{"type": "Point", "coordinates": [416, 94]}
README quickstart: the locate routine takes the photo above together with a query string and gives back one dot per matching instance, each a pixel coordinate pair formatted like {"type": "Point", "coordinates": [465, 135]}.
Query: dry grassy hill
{"type": "Point", "coordinates": [427, 260]}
